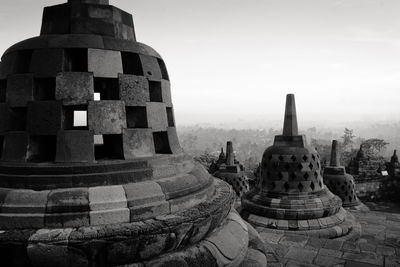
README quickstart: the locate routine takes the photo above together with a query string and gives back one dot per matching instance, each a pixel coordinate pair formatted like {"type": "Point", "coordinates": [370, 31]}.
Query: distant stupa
{"type": "Point", "coordinates": [290, 195]}
{"type": "Point", "coordinates": [339, 182]}
{"type": "Point", "coordinates": [91, 170]}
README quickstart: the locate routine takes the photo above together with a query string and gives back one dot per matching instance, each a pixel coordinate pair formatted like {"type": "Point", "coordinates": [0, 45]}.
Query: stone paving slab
{"type": "Point", "coordinates": [379, 245]}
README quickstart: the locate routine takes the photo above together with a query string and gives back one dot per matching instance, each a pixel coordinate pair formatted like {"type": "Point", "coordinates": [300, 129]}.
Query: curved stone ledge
{"type": "Point", "coordinates": [341, 224]}
{"type": "Point", "coordinates": [145, 239]}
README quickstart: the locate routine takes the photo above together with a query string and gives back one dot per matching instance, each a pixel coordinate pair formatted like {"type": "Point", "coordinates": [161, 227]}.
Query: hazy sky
{"type": "Point", "coordinates": [234, 60]}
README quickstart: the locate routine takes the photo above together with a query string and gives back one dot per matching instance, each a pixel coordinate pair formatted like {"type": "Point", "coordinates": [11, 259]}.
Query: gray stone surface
{"type": "Point", "coordinates": [134, 90]}
{"type": "Point", "coordinates": [75, 146]}
{"type": "Point", "coordinates": [138, 143]}
{"type": "Point", "coordinates": [74, 88]}
{"type": "Point", "coordinates": [19, 90]}
{"type": "Point", "coordinates": [157, 116]}
{"type": "Point", "coordinates": [104, 63]}
{"type": "Point", "coordinates": [106, 117]}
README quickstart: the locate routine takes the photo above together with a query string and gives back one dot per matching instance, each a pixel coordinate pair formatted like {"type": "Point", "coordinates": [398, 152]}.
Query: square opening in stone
{"type": "Point", "coordinates": [42, 148]}
{"type": "Point", "coordinates": [3, 86]}
{"type": "Point", "coordinates": [163, 68]}
{"type": "Point", "coordinates": [112, 148]}
{"type": "Point", "coordinates": [76, 60]}
{"type": "Point", "coordinates": [44, 89]}
{"type": "Point", "coordinates": [131, 63]}
{"type": "Point", "coordinates": [155, 91]}
{"type": "Point", "coordinates": [96, 96]}
{"type": "Point", "coordinates": [108, 88]}
{"type": "Point", "coordinates": [75, 118]}
{"type": "Point", "coordinates": [161, 143]}
{"type": "Point", "coordinates": [170, 116]}
{"type": "Point", "coordinates": [17, 119]}
{"type": "Point", "coordinates": [23, 61]}
{"type": "Point", "coordinates": [136, 117]}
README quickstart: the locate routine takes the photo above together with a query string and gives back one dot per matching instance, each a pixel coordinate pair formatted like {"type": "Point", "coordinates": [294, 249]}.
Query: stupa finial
{"type": "Point", "coordinates": [230, 158]}
{"type": "Point", "coordinates": [335, 157]}
{"type": "Point", "coordinates": [290, 122]}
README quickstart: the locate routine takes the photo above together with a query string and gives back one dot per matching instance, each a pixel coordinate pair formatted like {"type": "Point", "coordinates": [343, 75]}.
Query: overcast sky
{"type": "Point", "coordinates": [232, 60]}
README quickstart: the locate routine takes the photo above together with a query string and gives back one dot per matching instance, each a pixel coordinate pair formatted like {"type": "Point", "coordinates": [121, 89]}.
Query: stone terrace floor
{"type": "Point", "coordinates": [379, 245]}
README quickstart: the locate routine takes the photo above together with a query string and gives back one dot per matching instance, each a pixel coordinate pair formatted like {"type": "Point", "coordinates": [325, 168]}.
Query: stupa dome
{"type": "Point", "coordinates": [290, 194]}
{"type": "Point", "coordinates": [91, 170]}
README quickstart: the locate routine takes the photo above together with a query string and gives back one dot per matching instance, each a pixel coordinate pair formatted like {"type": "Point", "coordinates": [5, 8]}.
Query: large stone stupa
{"type": "Point", "coordinates": [91, 170]}
{"type": "Point", "coordinates": [291, 195]}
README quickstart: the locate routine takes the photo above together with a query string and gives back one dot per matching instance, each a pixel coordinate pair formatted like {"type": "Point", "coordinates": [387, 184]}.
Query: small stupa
{"type": "Point", "coordinates": [394, 165]}
{"type": "Point", "coordinates": [339, 182]}
{"type": "Point", "coordinates": [230, 171]}
{"type": "Point", "coordinates": [91, 169]}
{"type": "Point", "coordinates": [291, 194]}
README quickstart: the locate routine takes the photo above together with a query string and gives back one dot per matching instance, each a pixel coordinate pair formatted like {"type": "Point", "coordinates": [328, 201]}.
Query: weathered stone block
{"type": "Point", "coordinates": [21, 221]}
{"type": "Point", "coordinates": [81, 25]}
{"type": "Point", "coordinates": [134, 90]}
{"type": "Point", "coordinates": [62, 220]}
{"type": "Point", "coordinates": [124, 32]}
{"type": "Point", "coordinates": [138, 143]}
{"type": "Point", "coordinates": [104, 63]}
{"type": "Point", "coordinates": [47, 62]}
{"type": "Point", "coordinates": [143, 193]}
{"type": "Point", "coordinates": [19, 90]}
{"type": "Point", "coordinates": [151, 68]}
{"type": "Point", "coordinates": [44, 117]}
{"type": "Point", "coordinates": [74, 88]}
{"type": "Point", "coordinates": [68, 200]}
{"type": "Point", "coordinates": [107, 197]}
{"type": "Point", "coordinates": [25, 201]}
{"type": "Point", "coordinates": [56, 19]}
{"type": "Point", "coordinates": [166, 92]}
{"type": "Point", "coordinates": [148, 211]}
{"type": "Point", "coordinates": [157, 116]}
{"type": "Point", "coordinates": [106, 117]}
{"type": "Point", "coordinates": [101, 217]}
{"type": "Point", "coordinates": [75, 146]}
{"type": "Point", "coordinates": [15, 146]}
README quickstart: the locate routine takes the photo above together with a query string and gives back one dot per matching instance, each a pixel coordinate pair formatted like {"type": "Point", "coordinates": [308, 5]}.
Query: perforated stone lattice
{"type": "Point", "coordinates": [135, 99]}
{"type": "Point", "coordinates": [292, 173]}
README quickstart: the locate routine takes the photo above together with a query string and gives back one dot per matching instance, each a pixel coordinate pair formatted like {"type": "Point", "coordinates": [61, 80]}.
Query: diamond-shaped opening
{"type": "Point", "coordinates": [136, 117]}
{"type": "Point", "coordinates": [300, 187]}
{"type": "Point", "coordinates": [274, 165]}
{"type": "Point", "coordinates": [306, 175]}
{"type": "Point", "coordinates": [342, 188]}
{"type": "Point", "coordinates": [273, 185]}
{"type": "Point", "coordinates": [305, 158]}
{"type": "Point", "coordinates": [3, 86]}
{"type": "Point", "coordinates": [76, 60]}
{"type": "Point", "coordinates": [44, 89]}
{"type": "Point", "coordinates": [131, 63]}
{"type": "Point", "coordinates": [163, 68]}
{"type": "Point", "coordinates": [286, 186]}
{"type": "Point", "coordinates": [293, 158]}
{"type": "Point", "coordinates": [312, 186]}
{"type": "Point", "coordinates": [345, 182]}
{"type": "Point", "coordinates": [42, 148]}
{"type": "Point", "coordinates": [300, 166]}
{"type": "Point", "coordinates": [310, 166]}
{"type": "Point", "coordinates": [293, 176]}
{"type": "Point", "coordinates": [313, 156]}
{"type": "Point", "coordinates": [287, 166]}
{"type": "Point", "coordinates": [17, 119]}
{"type": "Point", "coordinates": [110, 147]}
{"type": "Point", "coordinates": [320, 184]}
{"type": "Point", "coordinates": [23, 61]}
{"type": "Point", "coordinates": [161, 143]}
{"type": "Point", "coordinates": [280, 158]}
{"type": "Point", "coordinates": [108, 88]}
{"type": "Point", "coordinates": [280, 175]}
{"type": "Point", "coordinates": [316, 175]}
{"type": "Point", "coordinates": [270, 157]}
